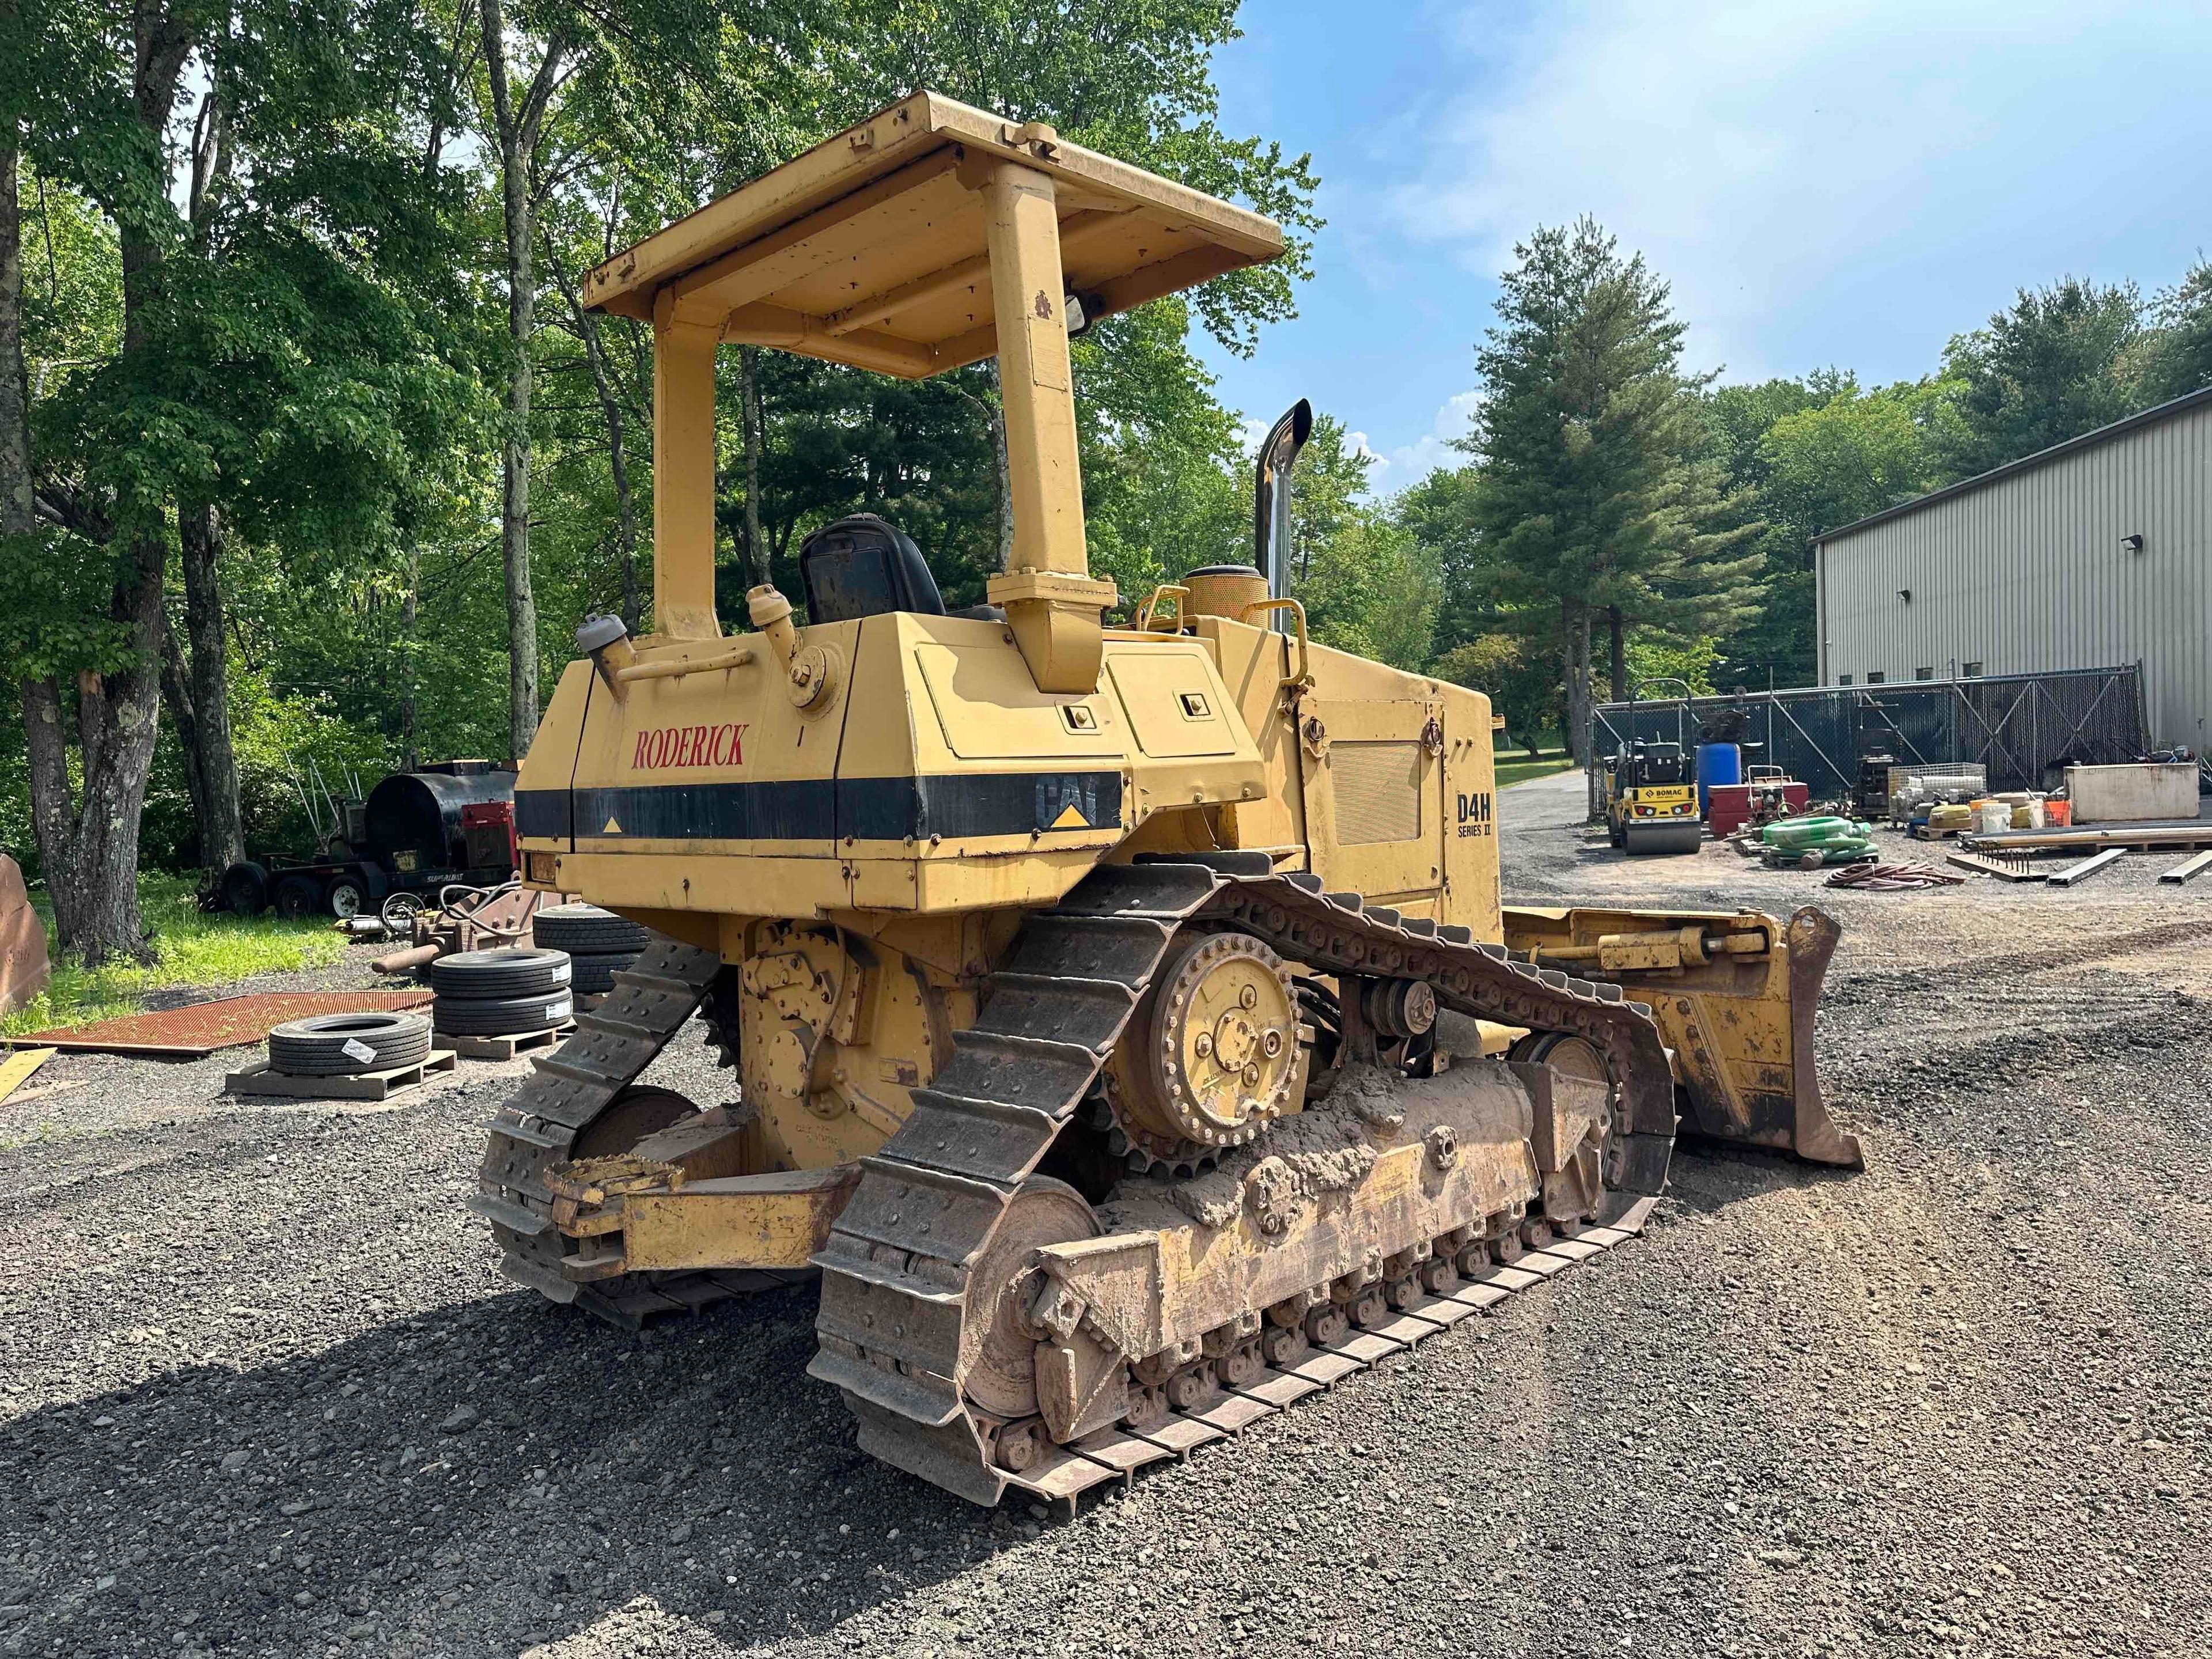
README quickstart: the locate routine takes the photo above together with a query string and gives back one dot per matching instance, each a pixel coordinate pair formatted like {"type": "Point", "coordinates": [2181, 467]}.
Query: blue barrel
{"type": "Point", "coordinates": [1718, 762]}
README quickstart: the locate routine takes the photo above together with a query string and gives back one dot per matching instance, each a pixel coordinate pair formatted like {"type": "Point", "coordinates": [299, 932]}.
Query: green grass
{"type": "Point", "coordinates": [190, 948]}
{"type": "Point", "coordinates": [1531, 766]}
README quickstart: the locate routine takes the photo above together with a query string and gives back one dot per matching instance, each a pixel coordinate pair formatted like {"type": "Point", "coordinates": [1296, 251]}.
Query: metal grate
{"type": "Point", "coordinates": [2023, 728]}
{"type": "Point", "coordinates": [201, 1027]}
{"type": "Point", "coordinates": [1378, 792]}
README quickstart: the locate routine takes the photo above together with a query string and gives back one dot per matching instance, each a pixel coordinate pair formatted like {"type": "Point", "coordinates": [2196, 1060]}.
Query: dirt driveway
{"type": "Point", "coordinates": [262, 1391]}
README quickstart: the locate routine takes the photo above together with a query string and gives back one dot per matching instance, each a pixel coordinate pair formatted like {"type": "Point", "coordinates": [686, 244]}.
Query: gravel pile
{"type": "Point", "coordinates": [262, 1392]}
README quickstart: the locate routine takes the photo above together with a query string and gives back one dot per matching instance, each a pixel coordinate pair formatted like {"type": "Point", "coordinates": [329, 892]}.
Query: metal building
{"type": "Point", "coordinates": [2094, 553]}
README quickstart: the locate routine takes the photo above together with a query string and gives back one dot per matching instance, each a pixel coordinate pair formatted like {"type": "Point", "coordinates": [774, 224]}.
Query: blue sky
{"type": "Point", "coordinates": [1846, 184]}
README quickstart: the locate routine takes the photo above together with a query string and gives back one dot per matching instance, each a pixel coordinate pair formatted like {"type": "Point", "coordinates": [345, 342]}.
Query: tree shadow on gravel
{"type": "Point", "coordinates": [473, 1479]}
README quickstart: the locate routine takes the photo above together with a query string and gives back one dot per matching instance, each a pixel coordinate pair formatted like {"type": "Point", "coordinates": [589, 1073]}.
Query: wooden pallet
{"type": "Point", "coordinates": [258, 1079]}
{"type": "Point", "coordinates": [504, 1048]}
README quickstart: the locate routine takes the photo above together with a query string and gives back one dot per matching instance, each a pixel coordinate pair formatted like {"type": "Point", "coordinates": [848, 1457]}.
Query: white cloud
{"type": "Point", "coordinates": [1824, 180]}
{"type": "Point", "coordinates": [1408, 464]}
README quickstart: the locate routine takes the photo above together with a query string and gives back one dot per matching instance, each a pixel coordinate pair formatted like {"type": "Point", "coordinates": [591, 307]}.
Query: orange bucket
{"type": "Point", "coordinates": [2057, 814]}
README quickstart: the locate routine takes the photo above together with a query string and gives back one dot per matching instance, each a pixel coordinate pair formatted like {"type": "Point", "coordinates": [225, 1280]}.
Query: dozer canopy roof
{"type": "Point", "coordinates": [869, 249]}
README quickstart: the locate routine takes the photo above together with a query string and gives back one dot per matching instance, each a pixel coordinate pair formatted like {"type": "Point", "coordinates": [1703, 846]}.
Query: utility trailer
{"type": "Point", "coordinates": [413, 833]}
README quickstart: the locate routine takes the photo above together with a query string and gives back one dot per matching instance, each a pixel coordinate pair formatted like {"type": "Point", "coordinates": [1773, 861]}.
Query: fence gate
{"type": "Point", "coordinates": [2023, 728]}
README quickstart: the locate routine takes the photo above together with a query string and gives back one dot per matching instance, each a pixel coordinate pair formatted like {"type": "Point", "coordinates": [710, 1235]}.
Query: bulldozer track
{"type": "Point", "coordinates": [895, 1269]}
{"type": "Point", "coordinates": [541, 1126]}
{"type": "Point", "coordinates": [1108, 1455]}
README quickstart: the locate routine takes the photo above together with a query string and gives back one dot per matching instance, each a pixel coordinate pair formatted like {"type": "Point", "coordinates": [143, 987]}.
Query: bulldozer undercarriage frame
{"type": "Point", "coordinates": [951, 1252]}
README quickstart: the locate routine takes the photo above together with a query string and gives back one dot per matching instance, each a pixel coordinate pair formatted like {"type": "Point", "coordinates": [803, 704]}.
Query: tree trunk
{"type": "Point", "coordinates": [516, 129]}
{"type": "Point", "coordinates": [221, 826]}
{"type": "Point", "coordinates": [749, 396]}
{"type": "Point", "coordinates": [1619, 662]}
{"type": "Point", "coordinates": [18, 514]}
{"type": "Point", "coordinates": [87, 837]}
{"type": "Point", "coordinates": [587, 329]}
{"type": "Point", "coordinates": [176, 694]}
{"type": "Point", "coordinates": [410, 754]}
{"type": "Point", "coordinates": [1575, 639]}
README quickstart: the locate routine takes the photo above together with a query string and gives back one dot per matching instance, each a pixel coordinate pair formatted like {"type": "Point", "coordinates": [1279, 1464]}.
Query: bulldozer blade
{"type": "Point", "coordinates": [1734, 994]}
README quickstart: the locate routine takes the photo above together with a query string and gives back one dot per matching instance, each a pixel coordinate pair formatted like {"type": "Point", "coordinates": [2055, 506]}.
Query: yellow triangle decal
{"type": "Point", "coordinates": [613, 829]}
{"type": "Point", "coordinates": [1069, 818]}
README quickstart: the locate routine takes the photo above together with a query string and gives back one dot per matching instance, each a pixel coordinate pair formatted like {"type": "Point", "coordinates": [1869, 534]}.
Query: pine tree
{"type": "Point", "coordinates": [1599, 488]}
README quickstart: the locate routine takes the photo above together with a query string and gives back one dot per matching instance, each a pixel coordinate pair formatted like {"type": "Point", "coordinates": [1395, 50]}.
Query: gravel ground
{"type": "Point", "coordinates": [262, 1392]}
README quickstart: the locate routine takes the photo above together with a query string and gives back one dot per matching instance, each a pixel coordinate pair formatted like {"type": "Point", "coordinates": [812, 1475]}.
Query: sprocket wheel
{"type": "Point", "coordinates": [1212, 1053]}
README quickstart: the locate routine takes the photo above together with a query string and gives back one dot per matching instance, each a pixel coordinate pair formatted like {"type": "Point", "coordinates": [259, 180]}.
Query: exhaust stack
{"type": "Point", "coordinates": [1271, 499]}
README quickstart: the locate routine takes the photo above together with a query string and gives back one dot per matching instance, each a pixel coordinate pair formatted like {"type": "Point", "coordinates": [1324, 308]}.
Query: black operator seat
{"type": "Point", "coordinates": [865, 566]}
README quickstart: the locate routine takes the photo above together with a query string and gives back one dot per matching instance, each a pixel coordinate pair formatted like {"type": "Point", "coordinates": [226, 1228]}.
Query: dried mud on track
{"type": "Point", "coordinates": [262, 1391]}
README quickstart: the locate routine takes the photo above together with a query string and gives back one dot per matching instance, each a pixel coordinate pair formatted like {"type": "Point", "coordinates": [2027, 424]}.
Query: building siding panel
{"type": "Point", "coordinates": [2027, 574]}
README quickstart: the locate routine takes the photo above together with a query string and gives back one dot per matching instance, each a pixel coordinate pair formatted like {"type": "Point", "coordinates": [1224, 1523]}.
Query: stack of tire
{"type": "Point", "coordinates": [507, 993]}
{"type": "Point", "coordinates": [598, 942]}
{"type": "Point", "coordinates": [348, 1045]}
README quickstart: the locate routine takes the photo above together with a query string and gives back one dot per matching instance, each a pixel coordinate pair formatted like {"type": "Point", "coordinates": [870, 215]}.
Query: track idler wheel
{"type": "Point", "coordinates": [998, 1350]}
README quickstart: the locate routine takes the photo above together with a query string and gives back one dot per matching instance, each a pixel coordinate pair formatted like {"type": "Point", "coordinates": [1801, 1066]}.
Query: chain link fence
{"type": "Point", "coordinates": [2023, 728]}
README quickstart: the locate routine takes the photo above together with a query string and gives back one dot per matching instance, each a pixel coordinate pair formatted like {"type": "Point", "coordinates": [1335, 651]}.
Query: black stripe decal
{"type": "Point", "coordinates": [820, 809]}
{"type": "Point", "coordinates": [542, 815]}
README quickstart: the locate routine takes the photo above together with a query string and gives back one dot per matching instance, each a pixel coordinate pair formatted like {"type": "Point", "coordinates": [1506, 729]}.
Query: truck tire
{"type": "Point", "coordinates": [594, 975]}
{"type": "Point", "coordinates": [297, 897]}
{"type": "Point", "coordinates": [340, 1045]}
{"type": "Point", "coordinates": [244, 888]}
{"type": "Point", "coordinates": [502, 1016]}
{"type": "Point", "coordinates": [346, 896]}
{"type": "Point", "coordinates": [586, 930]}
{"type": "Point", "coordinates": [486, 975]}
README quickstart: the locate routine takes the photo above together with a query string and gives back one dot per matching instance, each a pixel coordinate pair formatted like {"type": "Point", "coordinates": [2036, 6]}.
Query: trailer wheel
{"type": "Point", "coordinates": [297, 896]}
{"type": "Point", "coordinates": [244, 888]}
{"type": "Point", "coordinates": [346, 898]}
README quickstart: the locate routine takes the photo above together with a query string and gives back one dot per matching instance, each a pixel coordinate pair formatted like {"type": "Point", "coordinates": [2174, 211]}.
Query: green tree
{"type": "Point", "coordinates": [1601, 497]}
{"type": "Point", "coordinates": [2054, 364]}
{"type": "Point", "coordinates": [2175, 357]}
{"type": "Point", "coordinates": [263, 377]}
{"type": "Point", "coordinates": [1520, 675]}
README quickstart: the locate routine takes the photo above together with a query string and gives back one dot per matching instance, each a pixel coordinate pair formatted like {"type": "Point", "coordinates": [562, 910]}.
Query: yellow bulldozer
{"type": "Point", "coordinates": [1124, 1012]}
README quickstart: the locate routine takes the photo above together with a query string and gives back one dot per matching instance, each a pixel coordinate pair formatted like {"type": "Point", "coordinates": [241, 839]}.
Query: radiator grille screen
{"type": "Point", "coordinates": [1378, 792]}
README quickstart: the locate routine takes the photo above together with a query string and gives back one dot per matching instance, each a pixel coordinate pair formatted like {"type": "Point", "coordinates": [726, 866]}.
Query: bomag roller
{"type": "Point", "coordinates": [1126, 1019]}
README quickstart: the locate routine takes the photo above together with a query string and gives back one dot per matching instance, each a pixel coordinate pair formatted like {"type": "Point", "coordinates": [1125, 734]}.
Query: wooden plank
{"type": "Point", "coordinates": [502, 1048]}
{"type": "Point", "coordinates": [16, 1069]}
{"type": "Point", "coordinates": [2188, 870]}
{"type": "Point", "coordinates": [2088, 866]}
{"type": "Point", "coordinates": [2083, 837]}
{"type": "Point", "coordinates": [258, 1079]}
